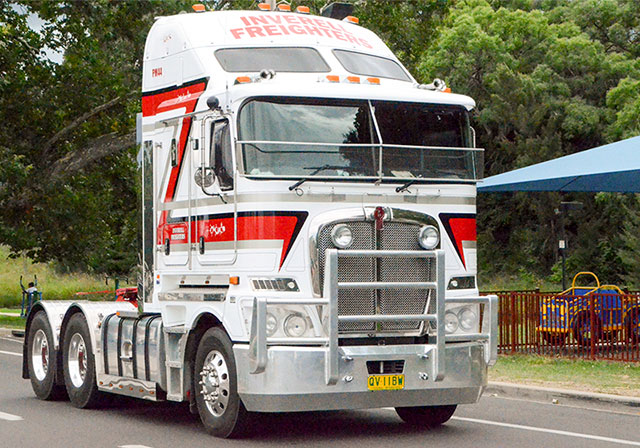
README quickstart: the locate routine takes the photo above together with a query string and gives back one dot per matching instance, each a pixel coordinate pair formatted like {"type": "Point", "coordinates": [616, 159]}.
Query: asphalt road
{"type": "Point", "coordinates": [26, 421]}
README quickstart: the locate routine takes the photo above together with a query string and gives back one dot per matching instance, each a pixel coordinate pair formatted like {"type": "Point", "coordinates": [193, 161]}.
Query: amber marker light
{"type": "Point", "coordinates": [235, 280]}
{"type": "Point", "coordinates": [264, 6]}
{"type": "Point", "coordinates": [198, 7]}
{"type": "Point", "coordinates": [353, 79]}
{"type": "Point", "coordinates": [284, 7]}
{"type": "Point", "coordinates": [333, 78]}
{"type": "Point", "coordinates": [352, 19]}
{"type": "Point", "coordinates": [375, 81]}
{"type": "Point", "coordinates": [303, 10]}
{"type": "Point", "coordinates": [447, 90]}
{"type": "Point", "coordinates": [243, 80]}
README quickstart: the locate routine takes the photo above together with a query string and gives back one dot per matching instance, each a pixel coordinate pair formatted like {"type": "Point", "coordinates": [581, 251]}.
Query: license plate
{"type": "Point", "coordinates": [385, 382]}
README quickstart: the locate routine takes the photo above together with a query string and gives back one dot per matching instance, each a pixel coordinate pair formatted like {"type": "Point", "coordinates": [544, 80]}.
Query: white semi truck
{"type": "Point", "coordinates": [308, 234]}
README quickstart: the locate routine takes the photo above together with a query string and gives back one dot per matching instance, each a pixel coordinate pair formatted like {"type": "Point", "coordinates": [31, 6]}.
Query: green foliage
{"type": "Point", "coordinates": [541, 83]}
{"type": "Point", "coordinates": [550, 77]}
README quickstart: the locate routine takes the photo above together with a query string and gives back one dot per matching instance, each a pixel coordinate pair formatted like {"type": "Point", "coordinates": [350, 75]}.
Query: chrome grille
{"type": "Point", "coordinates": [394, 236]}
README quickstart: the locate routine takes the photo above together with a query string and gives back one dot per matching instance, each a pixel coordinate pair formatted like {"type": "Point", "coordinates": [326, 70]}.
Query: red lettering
{"type": "Point", "coordinates": [333, 25]}
{"type": "Point", "coordinates": [271, 30]}
{"type": "Point", "coordinates": [245, 21]}
{"type": "Point", "coordinates": [237, 32]}
{"type": "Point", "coordinates": [259, 20]}
{"type": "Point", "coordinates": [365, 43]}
{"type": "Point", "coordinates": [321, 23]}
{"type": "Point", "coordinates": [351, 38]}
{"type": "Point", "coordinates": [339, 35]}
{"type": "Point", "coordinates": [326, 32]}
{"type": "Point", "coordinates": [306, 20]}
{"type": "Point", "coordinates": [255, 31]}
{"type": "Point", "coordinates": [275, 19]}
{"type": "Point", "coordinates": [291, 19]}
{"type": "Point", "coordinates": [297, 29]}
{"type": "Point", "coordinates": [312, 30]}
{"type": "Point", "coordinates": [284, 30]}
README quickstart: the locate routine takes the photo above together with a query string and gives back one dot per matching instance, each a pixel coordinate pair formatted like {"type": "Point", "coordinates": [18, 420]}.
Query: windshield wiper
{"type": "Point", "coordinates": [316, 170]}
{"type": "Point", "coordinates": [406, 185]}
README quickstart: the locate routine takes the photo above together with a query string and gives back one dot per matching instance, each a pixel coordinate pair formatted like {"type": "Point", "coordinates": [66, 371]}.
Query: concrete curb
{"type": "Point", "coordinates": [565, 397]}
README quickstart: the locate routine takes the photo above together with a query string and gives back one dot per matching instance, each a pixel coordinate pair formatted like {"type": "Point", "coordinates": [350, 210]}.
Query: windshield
{"type": "Point", "coordinates": [369, 65]}
{"type": "Point", "coordinates": [280, 59]}
{"type": "Point", "coordinates": [363, 139]}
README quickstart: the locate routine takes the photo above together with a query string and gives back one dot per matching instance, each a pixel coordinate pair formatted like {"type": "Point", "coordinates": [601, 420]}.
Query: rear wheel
{"type": "Point", "coordinates": [426, 416]}
{"type": "Point", "coordinates": [41, 359]}
{"type": "Point", "coordinates": [633, 326]}
{"type": "Point", "coordinates": [216, 388]}
{"type": "Point", "coordinates": [79, 364]}
{"type": "Point", "coordinates": [582, 331]}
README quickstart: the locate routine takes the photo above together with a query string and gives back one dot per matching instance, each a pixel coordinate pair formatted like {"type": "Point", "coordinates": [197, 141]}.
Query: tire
{"type": "Point", "coordinates": [428, 417]}
{"type": "Point", "coordinates": [41, 359]}
{"type": "Point", "coordinates": [79, 364]}
{"type": "Point", "coordinates": [633, 326]}
{"type": "Point", "coordinates": [554, 339]}
{"type": "Point", "coordinates": [582, 331]}
{"type": "Point", "coordinates": [216, 386]}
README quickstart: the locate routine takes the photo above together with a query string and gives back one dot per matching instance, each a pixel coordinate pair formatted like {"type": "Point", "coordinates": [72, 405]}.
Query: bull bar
{"type": "Point", "coordinates": [259, 341]}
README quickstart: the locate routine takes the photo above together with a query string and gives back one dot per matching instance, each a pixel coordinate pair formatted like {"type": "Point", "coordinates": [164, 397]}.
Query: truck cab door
{"type": "Point", "coordinates": [214, 218]}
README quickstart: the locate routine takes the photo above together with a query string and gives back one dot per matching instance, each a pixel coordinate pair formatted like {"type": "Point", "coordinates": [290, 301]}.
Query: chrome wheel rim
{"type": "Point", "coordinates": [77, 360]}
{"type": "Point", "coordinates": [40, 355]}
{"type": "Point", "coordinates": [214, 383]}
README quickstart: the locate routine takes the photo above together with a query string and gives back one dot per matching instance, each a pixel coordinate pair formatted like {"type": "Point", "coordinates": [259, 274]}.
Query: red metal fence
{"type": "Point", "coordinates": [594, 326]}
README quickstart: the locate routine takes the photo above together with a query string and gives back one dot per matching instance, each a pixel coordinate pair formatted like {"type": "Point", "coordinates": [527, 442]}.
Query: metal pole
{"type": "Point", "coordinates": [562, 252]}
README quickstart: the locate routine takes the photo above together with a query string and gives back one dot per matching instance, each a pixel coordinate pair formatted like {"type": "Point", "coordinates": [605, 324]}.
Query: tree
{"type": "Point", "coordinates": [541, 87]}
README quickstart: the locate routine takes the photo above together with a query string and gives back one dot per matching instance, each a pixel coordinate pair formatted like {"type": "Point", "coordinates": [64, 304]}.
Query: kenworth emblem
{"type": "Point", "coordinates": [378, 215]}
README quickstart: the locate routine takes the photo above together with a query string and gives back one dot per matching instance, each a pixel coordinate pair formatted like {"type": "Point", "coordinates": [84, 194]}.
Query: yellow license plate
{"type": "Point", "coordinates": [385, 382]}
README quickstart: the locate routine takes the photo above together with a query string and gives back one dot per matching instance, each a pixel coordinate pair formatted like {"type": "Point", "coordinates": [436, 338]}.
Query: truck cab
{"type": "Point", "coordinates": [308, 230]}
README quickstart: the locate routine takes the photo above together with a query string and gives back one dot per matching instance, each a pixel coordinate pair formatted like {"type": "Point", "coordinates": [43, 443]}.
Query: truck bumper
{"type": "Point", "coordinates": [294, 378]}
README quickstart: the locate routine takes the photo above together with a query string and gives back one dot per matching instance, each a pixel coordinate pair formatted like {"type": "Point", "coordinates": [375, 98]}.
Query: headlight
{"type": "Point", "coordinates": [450, 322]}
{"type": "Point", "coordinates": [272, 324]}
{"type": "Point", "coordinates": [428, 237]}
{"type": "Point", "coordinates": [295, 325]}
{"type": "Point", "coordinates": [467, 318]}
{"type": "Point", "coordinates": [342, 236]}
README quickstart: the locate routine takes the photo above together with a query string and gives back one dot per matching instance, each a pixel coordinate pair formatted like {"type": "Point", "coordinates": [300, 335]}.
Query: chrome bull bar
{"type": "Point", "coordinates": [259, 342]}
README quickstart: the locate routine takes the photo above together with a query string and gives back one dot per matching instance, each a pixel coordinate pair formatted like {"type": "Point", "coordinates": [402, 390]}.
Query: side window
{"type": "Point", "coordinates": [221, 154]}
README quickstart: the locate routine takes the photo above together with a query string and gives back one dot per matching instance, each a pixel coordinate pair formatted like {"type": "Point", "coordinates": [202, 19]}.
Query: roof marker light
{"type": "Point", "coordinates": [198, 7]}
{"type": "Point", "coordinates": [333, 78]}
{"type": "Point", "coordinates": [447, 90]}
{"type": "Point", "coordinates": [264, 6]}
{"type": "Point", "coordinates": [303, 10]}
{"type": "Point", "coordinates": [243, 80]}
{"type": "Point", "coordinates": [375, 81]}
{"type": "Point", "coordinates": [351, 19]}
{"type": "Point", "coordinates": [234, 280]}
{"type": "Point", "coordinates": [352, 79]}
{"type": "Point", "coordinates": [284, 7]}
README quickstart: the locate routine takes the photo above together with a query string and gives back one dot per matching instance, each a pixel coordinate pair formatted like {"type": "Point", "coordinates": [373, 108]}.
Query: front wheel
{"type": "Point", "coordinates": [426, 416]}
{"type": "Point", "coordinates": [78, 364]}
{"type": "Point", "coordinates": [216, 386]}
{"type": "Point", "coordinates": [41, 359]}
{"type": "Point", "coordinates": [582, 331]}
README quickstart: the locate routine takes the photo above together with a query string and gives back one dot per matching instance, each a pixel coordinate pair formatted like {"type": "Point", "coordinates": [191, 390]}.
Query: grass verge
{"type": "Point", "coordinates": [52, 284]}
{"type": "Point", "coordinates": [606, 377]}
{"type": "Point", "coordinates": [11, 322]}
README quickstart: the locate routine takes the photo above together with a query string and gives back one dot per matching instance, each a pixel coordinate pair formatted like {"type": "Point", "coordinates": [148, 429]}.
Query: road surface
{"type": "Point", "coordinates": [26, 421]}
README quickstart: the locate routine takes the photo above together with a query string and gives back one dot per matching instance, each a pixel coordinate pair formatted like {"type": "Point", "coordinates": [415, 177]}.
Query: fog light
{"type": "Point", "coordinates": [428, 237]}
{"type": "Point", "coordinates": [272, 324]}
{"type": "Point", "coordinates": [467, 318]}
{"type": "Point", "coordinates": [342, 236]}
{"type": "Point", "coordinates": [295, 325]}
{"type": "Point", "coordinates": [450, 322]}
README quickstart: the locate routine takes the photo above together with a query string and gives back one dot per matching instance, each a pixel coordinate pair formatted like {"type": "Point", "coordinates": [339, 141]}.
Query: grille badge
{"type": "Point", "coordinates": [378, 215]}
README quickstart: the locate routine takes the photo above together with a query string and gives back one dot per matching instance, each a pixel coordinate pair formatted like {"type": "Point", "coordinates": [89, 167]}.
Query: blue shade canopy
{"type": "Point", "coordinates": [614, 168]}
